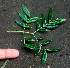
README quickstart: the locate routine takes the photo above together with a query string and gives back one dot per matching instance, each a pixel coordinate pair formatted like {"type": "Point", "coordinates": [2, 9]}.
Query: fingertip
{"type": "Point", "coordinates": [11, 53]}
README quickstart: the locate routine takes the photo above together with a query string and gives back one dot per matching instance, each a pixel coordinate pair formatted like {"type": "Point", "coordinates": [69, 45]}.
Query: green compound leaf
{"type": "Point", "coordinates": [50, 14]}
{"type": "Point", "coordinates": [37, 24]}
{"type": "Point", "coordinates": [31, 46]}
{"type": "Point", "coordinates": [51, 50]}
{"type": "Point", "coordinates": [46, 42]}
{"type": "Point", "coordinates": [58, 21]}
{"type": "Point", "coordinates": [30, 39]}
{"type": "Point", "coordinates": [43, 30]}
{"type": "Point", "coordinates": [20, 23]}
{"type": "Point", "coordinates": [33, 19]}
{"type": "Point", "coordinates": [51, 26]}
{"type": "Point", "coordinates": [25, 9]}
{"type": "Point", "coordinates": [38, 51]}
{"type": "Point", "coordinates": [39, 38]}
{"type": "Point", "coordinates": [44, 57]}
{"type": "Point", "coordinates": [23, 16]}
{"type": "Point", "coordinates": [43, 19]}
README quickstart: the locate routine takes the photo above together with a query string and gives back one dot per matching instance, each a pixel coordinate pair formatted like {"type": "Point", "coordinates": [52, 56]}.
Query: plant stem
{"type": "Point", "coordinates": [40, 44]}
{"type": "Point", "coordinates": [25, 33]}
{"type": "Point", "coordinates": [35, 38]}
{"type": "Point", "coordinates": [5, 64]}
{"type": "Point", "coordinates": [21, 32]}
{"type": "Point", "coordinates": [37, 29]}
{"type": "Point", "coordinates": [16, 31]}
{"type": "Point", "coordinates": [32, 34]}
{"type": "Point", "coordinates": [35, 32]}
{"type": "Point", "coordinates": [24, 40]}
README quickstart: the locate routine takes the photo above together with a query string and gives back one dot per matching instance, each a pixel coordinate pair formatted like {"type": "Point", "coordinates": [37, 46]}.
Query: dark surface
{"type": "Point", "coordinates": [61, 36]}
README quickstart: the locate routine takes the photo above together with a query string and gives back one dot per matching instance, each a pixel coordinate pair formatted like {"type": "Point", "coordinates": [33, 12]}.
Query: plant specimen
{"type": "Point", "coordinates": [46, 26]}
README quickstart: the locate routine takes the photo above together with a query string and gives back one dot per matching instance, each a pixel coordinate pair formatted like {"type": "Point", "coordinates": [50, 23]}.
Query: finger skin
{"type": "Point", "coordinates": [8, 53]}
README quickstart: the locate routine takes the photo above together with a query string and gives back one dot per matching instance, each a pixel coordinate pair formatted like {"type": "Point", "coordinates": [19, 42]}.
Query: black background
{"type": "Point", "coordinates": [9, 13]}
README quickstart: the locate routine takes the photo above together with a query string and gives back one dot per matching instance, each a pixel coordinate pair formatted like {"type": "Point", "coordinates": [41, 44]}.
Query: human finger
{"type": "Point", "coordinates": [8, 53]}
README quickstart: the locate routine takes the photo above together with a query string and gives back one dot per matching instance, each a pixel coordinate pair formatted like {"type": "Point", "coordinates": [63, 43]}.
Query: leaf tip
{"type": "Point", "coordinates": [51, 8]}
{"type": "Point", "coordinates": [15, 20]}
{"type": "Point", "coordinates": [65, 19]}
{"type": "Point", "coordinates": [29, 14]}
{"type": "Point", "coordinates": [21, 4]}
{"type": "Point", "coordinates": [51, 40]}
{"type": "Point", "coordinates": [42, 13]}
{"type": "Point", "coordinates": [31, 27]}
{"type": "Point", "coordinates": [59, 49]}
{"type": "Point", "coordinates": [18, 12]}
{"type": "Point", "coordinates": [42, 64]}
